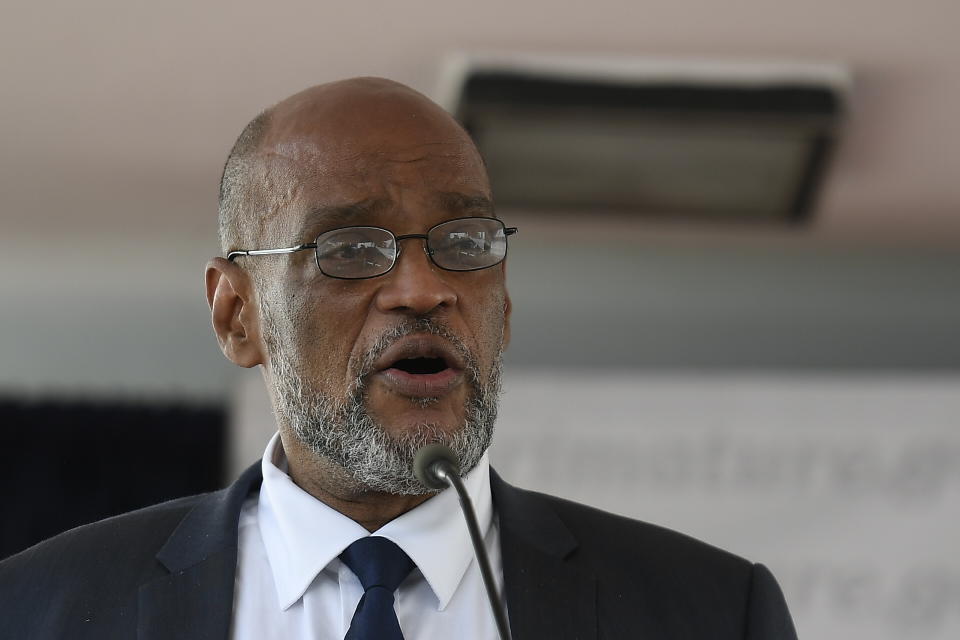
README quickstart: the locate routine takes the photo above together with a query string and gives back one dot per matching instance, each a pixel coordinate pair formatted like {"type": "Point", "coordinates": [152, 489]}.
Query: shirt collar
{"type": "Point", "coordinates": [302, 535]}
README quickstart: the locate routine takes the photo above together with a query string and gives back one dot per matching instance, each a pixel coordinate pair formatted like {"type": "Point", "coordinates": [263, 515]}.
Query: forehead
{"type": "Point", "coordinates": [367, 139]}
{"type": "Point", "coordinates": [318, 184]}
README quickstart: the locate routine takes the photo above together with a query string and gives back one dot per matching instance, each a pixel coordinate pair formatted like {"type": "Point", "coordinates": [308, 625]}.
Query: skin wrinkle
{"type": "Point", "coordinates": [294, 171]}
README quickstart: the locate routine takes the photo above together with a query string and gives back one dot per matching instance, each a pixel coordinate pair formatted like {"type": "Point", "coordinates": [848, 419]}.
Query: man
{"type": "Point", "coordinates": [365, 275]}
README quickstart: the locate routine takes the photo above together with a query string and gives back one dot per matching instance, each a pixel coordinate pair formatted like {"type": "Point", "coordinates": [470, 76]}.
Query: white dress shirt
{"type": "Point", "coordinates": [290, 583]}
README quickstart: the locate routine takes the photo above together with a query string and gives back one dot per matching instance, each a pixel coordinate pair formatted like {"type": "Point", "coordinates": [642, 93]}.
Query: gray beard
{"type": "Point", "coordinates": [346, 434]}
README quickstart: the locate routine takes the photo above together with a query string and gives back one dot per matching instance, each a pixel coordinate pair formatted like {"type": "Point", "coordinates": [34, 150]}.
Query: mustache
{"type": "Point", "coordinates": [423, 324]}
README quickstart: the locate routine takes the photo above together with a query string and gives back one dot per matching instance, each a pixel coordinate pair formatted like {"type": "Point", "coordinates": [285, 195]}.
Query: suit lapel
{"type": "Point", "coordinates": [548, 596]}
{"type": "Point", "coordinates": [195, 600]}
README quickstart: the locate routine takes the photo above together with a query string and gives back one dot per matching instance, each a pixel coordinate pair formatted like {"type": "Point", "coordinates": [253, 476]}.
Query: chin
{"type": "Point", "coordinates": [409, 414]}
{"type": "Point", "coordinates": [423, 431]}
{"type": "Point", "coordinates": [424, 403]}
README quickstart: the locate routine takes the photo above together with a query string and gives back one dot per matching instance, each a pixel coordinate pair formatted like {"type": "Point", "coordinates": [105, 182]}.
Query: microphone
{"type": "Point", "coordinates": [437, 467]}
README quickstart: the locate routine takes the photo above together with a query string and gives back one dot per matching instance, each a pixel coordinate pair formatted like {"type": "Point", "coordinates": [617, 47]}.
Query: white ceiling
{"type": "Point", "coordinates": [117, 115]}
{"type": "Point", "coordinates": [115, 119]}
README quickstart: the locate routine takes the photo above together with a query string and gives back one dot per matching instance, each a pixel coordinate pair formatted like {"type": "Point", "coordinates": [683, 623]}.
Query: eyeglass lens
{"type": "Point", "coordinates": [465, 244]}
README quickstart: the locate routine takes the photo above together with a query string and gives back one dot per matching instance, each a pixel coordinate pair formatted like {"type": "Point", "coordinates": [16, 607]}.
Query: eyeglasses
{"type": "Point", "coordinates": [357, 253]}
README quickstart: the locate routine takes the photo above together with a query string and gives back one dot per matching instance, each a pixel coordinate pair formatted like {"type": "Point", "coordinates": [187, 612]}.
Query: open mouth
{"type": "Point", "coordinates": [421, 366]}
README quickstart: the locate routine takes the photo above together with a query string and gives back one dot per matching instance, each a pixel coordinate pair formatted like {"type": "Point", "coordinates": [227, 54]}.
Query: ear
{"type": "Point", "coordinates": [234, 312]}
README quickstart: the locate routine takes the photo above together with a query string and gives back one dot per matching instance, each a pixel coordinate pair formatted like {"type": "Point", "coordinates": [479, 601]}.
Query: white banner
{"type": "Point", "coordinates": [848, 488]}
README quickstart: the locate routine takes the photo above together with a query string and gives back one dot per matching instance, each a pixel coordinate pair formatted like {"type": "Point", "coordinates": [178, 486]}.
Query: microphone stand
{"type": "Point", "coordinates": [444, 470]}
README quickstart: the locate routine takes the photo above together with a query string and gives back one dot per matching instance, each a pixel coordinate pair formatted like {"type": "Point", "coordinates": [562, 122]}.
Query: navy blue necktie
{"type": "Point", "coordinates": [381, 566]}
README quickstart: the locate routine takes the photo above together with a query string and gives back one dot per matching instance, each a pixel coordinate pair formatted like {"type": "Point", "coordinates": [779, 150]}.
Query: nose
{"type": "Point", "coordinates": [415, 286]}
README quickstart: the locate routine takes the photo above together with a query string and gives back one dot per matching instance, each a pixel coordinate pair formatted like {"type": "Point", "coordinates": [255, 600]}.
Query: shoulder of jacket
{"type": "Point", "coordinates": [616, 534]}
{"type": "Point", "coordinates": [145, 528]}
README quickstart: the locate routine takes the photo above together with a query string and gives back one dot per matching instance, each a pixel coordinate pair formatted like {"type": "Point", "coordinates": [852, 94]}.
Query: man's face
{"type": "Point", "coordinates": [412, 355]}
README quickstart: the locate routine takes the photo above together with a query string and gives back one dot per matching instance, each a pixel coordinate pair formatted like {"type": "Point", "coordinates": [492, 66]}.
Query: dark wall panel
{"type": "Point", "coordinates": [67, 463]}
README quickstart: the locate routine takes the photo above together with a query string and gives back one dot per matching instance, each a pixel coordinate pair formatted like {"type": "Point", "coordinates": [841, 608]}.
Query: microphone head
{"type": "Point", "coordinates": [426, 461]}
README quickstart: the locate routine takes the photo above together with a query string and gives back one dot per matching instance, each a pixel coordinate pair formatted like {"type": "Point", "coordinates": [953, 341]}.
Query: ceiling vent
{"type": "Point", "coordinates": [745, 141]}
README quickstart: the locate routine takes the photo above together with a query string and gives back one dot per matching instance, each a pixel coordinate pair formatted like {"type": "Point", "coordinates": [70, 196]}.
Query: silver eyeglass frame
{"type": "Point", "coordinates": [507, 231]}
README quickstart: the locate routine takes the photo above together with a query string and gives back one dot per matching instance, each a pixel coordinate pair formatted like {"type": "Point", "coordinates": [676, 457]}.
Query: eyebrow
{"type": "Point", "coordinates": [333, 216]}
{"type": "Point", "coordinates": [343, 214]}
{"type": "Point", "coordinates": [462, 203]}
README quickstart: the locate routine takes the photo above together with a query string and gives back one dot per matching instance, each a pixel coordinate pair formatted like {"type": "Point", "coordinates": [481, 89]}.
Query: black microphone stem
{"type": "Point", "coordinates": [445, 471]}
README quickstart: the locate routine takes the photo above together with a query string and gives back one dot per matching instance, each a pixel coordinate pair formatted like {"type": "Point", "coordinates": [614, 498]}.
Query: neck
{"type": "Point", "coordinates": [332, 485]}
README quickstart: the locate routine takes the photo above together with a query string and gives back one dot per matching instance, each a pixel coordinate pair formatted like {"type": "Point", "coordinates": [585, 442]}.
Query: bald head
{"type": "Point", "coordinates": [337, 132]}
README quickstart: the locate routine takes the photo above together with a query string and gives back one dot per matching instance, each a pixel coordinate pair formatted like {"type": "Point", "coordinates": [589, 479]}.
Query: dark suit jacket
{"type": "Point", "coordinates": [569, 572]}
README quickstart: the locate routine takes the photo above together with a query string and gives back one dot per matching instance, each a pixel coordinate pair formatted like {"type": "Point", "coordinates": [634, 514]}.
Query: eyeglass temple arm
{"type": "Point", "coordinates": [510, 230]}
{"type": "Point", "coordinates": [267, 252]}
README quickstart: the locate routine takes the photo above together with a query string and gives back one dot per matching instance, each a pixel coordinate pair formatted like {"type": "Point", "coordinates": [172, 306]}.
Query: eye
{"type": "Point", "coordinates": [349, 250]}
{"type": "Point", "coordinates": [467, 243]}
{"type": "Point", "coordinates": [356, 255]}
{"type": "Point", "coordinates": [355, 252]}
{"type": "Point", "coordinates": [463, 250]}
